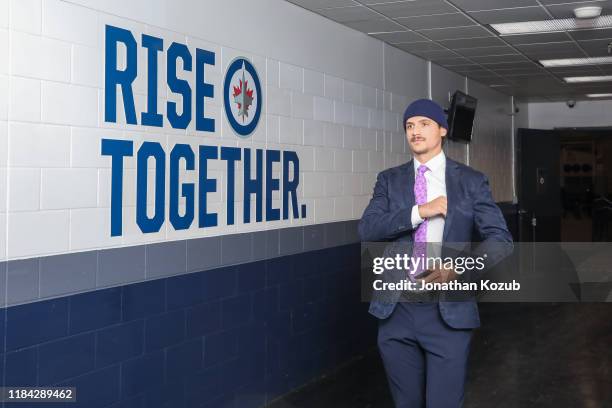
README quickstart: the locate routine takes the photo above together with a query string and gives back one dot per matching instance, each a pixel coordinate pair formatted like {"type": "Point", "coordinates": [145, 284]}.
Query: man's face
{"type": "Point", "coordinates": [424, 134]}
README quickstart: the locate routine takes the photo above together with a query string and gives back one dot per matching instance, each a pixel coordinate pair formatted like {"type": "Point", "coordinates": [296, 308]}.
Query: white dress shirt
{"type": "Point", "coordinates": [435, 178]}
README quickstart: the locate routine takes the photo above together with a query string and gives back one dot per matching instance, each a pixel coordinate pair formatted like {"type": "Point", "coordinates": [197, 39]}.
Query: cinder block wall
{"type": "Point", "coordinates": [205, 316]}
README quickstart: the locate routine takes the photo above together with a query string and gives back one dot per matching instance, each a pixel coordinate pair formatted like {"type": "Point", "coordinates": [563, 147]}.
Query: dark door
{"type": "Point", "coordinates": [539, 185]}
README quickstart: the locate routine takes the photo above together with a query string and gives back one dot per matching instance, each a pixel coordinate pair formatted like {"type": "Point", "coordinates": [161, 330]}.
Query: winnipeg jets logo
{"type": "Point", "coordinates": [242, 96]}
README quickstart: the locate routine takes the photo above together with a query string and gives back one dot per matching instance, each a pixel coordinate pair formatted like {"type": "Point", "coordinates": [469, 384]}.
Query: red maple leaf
{"type": "Point", "coordinates": [238, 91]}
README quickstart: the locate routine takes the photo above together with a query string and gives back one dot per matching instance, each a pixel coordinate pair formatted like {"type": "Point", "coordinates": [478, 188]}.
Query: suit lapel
{"type": "Point", "coordinates": [452, 190]}
{"type": "Point", "coordinates": [407, 181]}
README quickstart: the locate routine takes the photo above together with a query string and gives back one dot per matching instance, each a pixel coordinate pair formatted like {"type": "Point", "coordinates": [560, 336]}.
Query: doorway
{"type": "Point", "coordinates": [538, 185]}
{"type": "Point", "coordinates": [586, 184]}
{"type": "Point", "coordinates": [564, 185]}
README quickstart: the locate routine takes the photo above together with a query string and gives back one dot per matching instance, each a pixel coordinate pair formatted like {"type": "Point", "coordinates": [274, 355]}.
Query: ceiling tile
{"type": "Point", "coordinates": [413, 8]}
{"type": "Point", "coordinates": [419, 46]}
{"type": "Point", "coordinates": [536, 38]}
{"type": "Point", "coordinates": [510, 71]}
{"type": "Point", "coordinates": [370, 2]}
{"type": "Point", "coordinates": [466, 67]}
{"type": "Point", "coordinates": [450, 61]}
{"type": "Point", "coordinates": [481, 71]}
{"type": "Point", "coordinates": [399, 37]}
{"type": "Point", "coordinates": [346, 14]}
{"type": "Point", "coordinates": [494, 81]}
{"type": "Point", "coordinates": [482, 74]}
{"type": "Point", "coordinates": [436, 21]}
{"type": "Point", "coordinates": [538, 85]}
{"type": "Point", "coordinates": [592, 34]}
{"type": "Point", "coordinates": [480, 51]}
{"type": "Point", "coordinates": [375, 26]}
{"type": "Point", "coordinates": [433, 55]}
{"type": "Point", "coordinates": [576, 71]}
{"type": "Point", "coordinates": [542, 80]}
{"type": "Point", "coordinates": [456, 32]}
{"type": "Point", "coordinates": [596, 51]}
{"type": "Point", "coordinates": [602, 88]}
{"type": "Point", "coordinates": [517, 75]}
{"type": "Point", "coordinates": [510, 15]}
{"type": "Point", "coordinates": [462, 44]}
{"type": "Point", "coordinates": [567, 10]}
{"type": "Point", "coordinates": [537, 81]}
{"type": "Point", "coordinates": [502, 65]}
{"type": "Point", "coordinates": [472, 42]}
{"type": "Point", "coordinates": [570, 53]}
{"type": "Point", "coordinates": [475, 5]}
{"type": "Point", "coordinates": [319, 4]}
{"type": "Point", "coordinates": [494, 59]}
{"type": "Point", "coordinates": [459, 63]}
{"type": "Point", "coordinates": [596, 48]}
{"type": "Point", "coordinates": [547, 47]}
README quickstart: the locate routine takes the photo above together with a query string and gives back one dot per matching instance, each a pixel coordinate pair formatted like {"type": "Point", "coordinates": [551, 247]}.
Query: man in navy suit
{"type": "Point", "coordinates": [424, 341]}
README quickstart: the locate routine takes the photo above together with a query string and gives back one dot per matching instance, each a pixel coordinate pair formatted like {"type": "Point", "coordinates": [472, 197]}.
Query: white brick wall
{"type": "Point", "coordinates": [313, 82]}
{"type": "Point", "coordinates": [4, 13]}
{"type": "Point", "coordinates": [68, 188]}
{"type": "Point", "coordinates": [26, 15]}
{"type": "Point", "coordinates": [39, 145]}
{"type": "Point", "coordinates": [34, 233]}
{"type": "Point", "coordinates": [25, 100]}
{"type": "Point", "coordinates": [323, 109]}
{"type": "Point", "coordinates": [24, 189]}
{"type": "Point", "coordinates": [334, 87]}
{"type": "Point", "coordinates": [54, 182]}
{"type": "Point", "coordinates": [302, 105]}
{"type": "Point", "coordinates": [58, 104]}
{"type": "Point", "coordinates": [4, 97]}
{"type": "Point", "coordinates": [290, 77]}
{"type": "Point", "coordinates": [343, 113]}
{"type": "Point", "coordinates": [87, 67]}
{"type": "Point", "coordinates": [39, 57]}
{"type": "Point", "coordinates": [83, 27]}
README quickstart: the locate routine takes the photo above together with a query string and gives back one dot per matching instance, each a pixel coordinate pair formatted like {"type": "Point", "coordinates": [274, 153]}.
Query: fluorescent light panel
{"type": "Point", "coordinates": [549, 26]}
{"type": "Point", "coordinates": [582, 79]}
{"type": "Point", "coordinates": [574, 62]}
{"type": "Point", "coordinates": [602, 95]}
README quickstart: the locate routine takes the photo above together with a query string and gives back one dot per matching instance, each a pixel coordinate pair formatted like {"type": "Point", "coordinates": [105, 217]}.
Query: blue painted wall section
{"type": "Point", "coordinates": [237, 336]}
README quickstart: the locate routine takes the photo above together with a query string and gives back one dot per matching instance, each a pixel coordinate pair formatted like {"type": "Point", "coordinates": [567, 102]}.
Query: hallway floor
{"type": "Point", "coordinates": [524, 355]}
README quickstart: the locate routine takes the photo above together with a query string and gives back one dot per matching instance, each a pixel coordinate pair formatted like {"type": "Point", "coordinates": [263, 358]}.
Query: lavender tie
{"type": "Point", "coordinates": [420, 234]}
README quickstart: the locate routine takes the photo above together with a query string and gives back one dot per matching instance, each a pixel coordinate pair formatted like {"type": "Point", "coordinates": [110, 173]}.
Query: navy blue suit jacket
{"type": "Point", "coordinates": [471, 208]}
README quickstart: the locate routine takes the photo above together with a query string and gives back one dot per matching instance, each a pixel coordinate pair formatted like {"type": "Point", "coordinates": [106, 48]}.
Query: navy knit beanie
{"type": "Point", "coordinates": [427, 108]}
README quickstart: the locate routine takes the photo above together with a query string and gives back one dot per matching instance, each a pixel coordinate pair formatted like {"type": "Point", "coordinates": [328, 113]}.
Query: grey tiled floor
{"type": "Point", "coordinates": [524, 355]}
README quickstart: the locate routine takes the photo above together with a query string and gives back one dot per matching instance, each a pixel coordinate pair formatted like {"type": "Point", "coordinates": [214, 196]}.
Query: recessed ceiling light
{"type": "Point", "coordinates": [602, 95]}
{"type": "Point", "coordinates": [549, 26]}
{"type": "Point", "coordinates": [573, 62]}
{"type": "Point", "coordinates": [581, 79]}
{"type": "Point", "coordinates": [587, 12]}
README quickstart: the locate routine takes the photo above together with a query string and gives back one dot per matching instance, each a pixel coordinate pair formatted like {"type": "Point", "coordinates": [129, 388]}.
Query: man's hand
{"type": "Point", "coordinates": [441, 275]}
{"type": "Point", "coordinates": [433, 208]}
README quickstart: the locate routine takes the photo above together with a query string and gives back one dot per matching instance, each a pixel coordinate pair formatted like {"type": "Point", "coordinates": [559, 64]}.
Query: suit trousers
{"type": "Point", "coordinates": [424, 358]}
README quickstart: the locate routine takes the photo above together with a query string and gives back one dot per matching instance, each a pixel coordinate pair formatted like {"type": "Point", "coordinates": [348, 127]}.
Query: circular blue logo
{"type": "Point", "coordinates": [242, 96]}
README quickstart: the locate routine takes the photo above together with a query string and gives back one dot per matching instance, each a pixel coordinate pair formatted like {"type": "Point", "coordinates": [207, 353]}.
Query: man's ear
{"type": "Point", "coordinates": [443, 131]}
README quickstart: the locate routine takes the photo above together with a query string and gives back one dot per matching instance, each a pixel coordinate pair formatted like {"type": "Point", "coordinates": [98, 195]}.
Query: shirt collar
{"type": "Point", "coordinates": [433, 164]}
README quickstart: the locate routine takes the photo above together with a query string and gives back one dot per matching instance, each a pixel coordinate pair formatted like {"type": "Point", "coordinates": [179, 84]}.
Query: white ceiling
{"type": "Point", "coordinates": [456, 35]}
